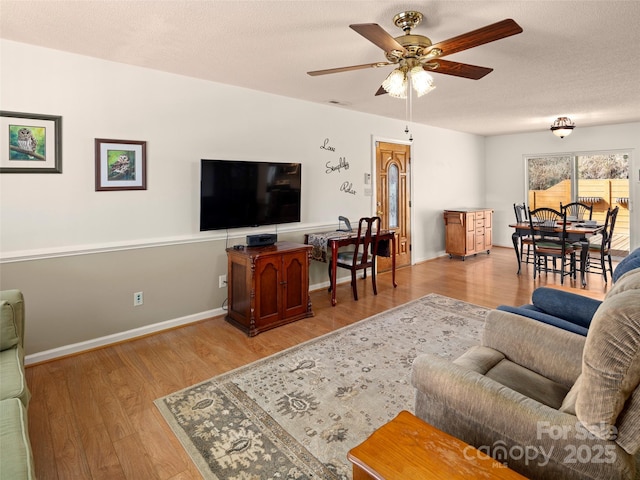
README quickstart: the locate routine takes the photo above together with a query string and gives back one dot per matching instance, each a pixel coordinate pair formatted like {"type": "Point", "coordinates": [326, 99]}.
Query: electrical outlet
{"type": "Point", "coordinates": [222, 281]}
{"type": "Point", "coordinates": [137, 299]}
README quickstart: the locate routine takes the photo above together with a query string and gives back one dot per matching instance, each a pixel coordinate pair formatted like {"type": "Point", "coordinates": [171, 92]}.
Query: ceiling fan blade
{"type": "Point", "coordinates": [490, 33]}
{"type": "Point", "coordinates": [381, 91]}
{"type": "Point", "coordinates": [348, 69]}
{"type": "Point", "coordinates": [459, 69]}
{"type": "Point", "coordinates": [377, 35]}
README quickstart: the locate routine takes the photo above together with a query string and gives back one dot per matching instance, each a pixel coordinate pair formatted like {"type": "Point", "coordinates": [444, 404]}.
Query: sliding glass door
{"type": "Point", "coordinates": [598, 179]}
{"type": "Point", "coordinates": [549, 181]}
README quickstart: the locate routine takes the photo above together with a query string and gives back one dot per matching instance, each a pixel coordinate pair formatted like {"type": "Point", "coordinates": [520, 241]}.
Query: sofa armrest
{"type": "Point", "coordinates": [530, 311]}
{"type": "Point", "coordinates": [568, 306]}
{"type": "Point", "coordinates": [627, 264]}
{"type": "Point", "coordinates": [550, 351]}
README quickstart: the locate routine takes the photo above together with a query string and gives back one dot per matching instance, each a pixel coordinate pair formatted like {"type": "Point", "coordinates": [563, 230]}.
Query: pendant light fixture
{"type": "Point", "coordinates": [562, 127]}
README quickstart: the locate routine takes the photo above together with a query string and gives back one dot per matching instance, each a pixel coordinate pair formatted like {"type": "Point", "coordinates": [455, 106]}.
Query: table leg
{"type": "Point", "coordinates": [584, 254]}
{"type": "Point", "coordinates": [334, 268]}
{"type": "Point", "coordinates": [516, 241]}
{"type": "Point", "coordinates": [360, 474]}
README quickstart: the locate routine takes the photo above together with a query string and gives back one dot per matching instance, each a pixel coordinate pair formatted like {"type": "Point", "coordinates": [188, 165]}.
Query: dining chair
{"type": "Point", "coordinates": [551, 241]}
{"type": "Point", "coordinates": [363, 256]}
{"type": "Point", "coordinates": [520, 210]}
{"type": "Point", "coordinates": [600, 247]}
{"type": "Point", "coordinates": [577, 210]}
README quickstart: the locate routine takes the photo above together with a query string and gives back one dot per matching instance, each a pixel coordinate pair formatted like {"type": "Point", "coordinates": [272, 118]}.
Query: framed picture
{"type": "Point", "coordinates": [121, 165]}
{"type": "Point", "coordinates": [30, 143]}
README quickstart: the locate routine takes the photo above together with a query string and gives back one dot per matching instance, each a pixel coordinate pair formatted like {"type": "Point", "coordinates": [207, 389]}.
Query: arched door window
{"type": "Point", "coordinates": [393, 189]}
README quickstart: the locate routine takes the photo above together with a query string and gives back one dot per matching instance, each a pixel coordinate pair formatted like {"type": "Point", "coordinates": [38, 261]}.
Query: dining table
{"type": "Point", "coordinates": [576, 232]}
{"type": "Point", "coordinates": [325, 243]}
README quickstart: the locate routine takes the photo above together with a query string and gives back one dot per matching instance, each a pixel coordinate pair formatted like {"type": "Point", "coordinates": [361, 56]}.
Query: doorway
{"type": "Point", "coordinates": [393, 198]}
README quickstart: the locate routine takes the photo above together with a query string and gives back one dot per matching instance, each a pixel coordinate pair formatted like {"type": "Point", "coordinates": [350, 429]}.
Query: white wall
{"type": "Point", "coordinates": [505, 168]}
{"type": "Point", "coordinates": [78, 255]}
{"type": "Point", "coordinates": [183, 120]}
{"type": "Point", "coordinates": [449, 174]}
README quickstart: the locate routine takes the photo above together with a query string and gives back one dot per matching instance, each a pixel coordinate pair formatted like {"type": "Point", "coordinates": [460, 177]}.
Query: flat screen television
{"type": "Point", "coordinates": [236, 194]}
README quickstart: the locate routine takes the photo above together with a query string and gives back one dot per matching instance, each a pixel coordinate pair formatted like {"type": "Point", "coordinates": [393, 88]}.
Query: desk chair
{"type": "Point", "coordinates": [548, 242]}
{"type": "Point", "coordinates": [341, 228]}
{"type": "Point", "coordinates": [520, 211]}
{"type": "Point", "coordinates": [600, 247]}
{"type": "Point", "coordinates": [363, 255]}
{"type": "Point", "coordinates": [347, 224]}
{"type": "Point", "coordinates": [578, 210]}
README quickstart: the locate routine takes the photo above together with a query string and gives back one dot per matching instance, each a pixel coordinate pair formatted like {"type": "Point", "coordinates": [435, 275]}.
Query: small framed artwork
{"type": "Point", "coordinates": [121, 165]}
{"type": "Point", "coordinates": [30, 143]}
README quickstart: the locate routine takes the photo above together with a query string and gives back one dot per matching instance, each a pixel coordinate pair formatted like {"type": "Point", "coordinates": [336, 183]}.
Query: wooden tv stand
{"type": "Point", "coordinates": [268, 286]}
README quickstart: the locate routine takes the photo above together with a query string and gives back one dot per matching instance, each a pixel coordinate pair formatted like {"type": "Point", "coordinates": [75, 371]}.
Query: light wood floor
{"type": "Point", "coordinates": [92, 415]}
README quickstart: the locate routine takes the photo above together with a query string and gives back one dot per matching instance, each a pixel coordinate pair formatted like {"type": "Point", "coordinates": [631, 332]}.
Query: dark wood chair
{"type": "Point", "coordinates": [600, 247]}
{"type": "Point", "coordinates": [549, 243]}
{"type": "Point", "coordinates": [520, 210]}
{"type": "Point", "coordinates": [363, 256]}
{"type": "Point", "coordinates": [577, 210]}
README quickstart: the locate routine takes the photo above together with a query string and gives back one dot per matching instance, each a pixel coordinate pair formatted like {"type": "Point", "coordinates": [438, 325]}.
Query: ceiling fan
{"type": "Point", "coordinates": [415, 53]}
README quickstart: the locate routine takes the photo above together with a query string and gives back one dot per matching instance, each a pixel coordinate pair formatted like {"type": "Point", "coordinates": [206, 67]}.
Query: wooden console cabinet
{"type": "Point", "coordinates": [468, 231]}
{"type": "Point", "coordinates": [268, 286]}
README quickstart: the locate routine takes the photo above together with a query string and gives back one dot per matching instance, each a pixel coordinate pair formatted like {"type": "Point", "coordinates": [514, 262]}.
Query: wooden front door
{"type": "Point", "coordinates": [393, 199]}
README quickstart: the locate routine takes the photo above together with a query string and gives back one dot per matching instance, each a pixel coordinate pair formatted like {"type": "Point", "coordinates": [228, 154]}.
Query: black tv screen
{"type": "Point", "coordinates": [237, 194]}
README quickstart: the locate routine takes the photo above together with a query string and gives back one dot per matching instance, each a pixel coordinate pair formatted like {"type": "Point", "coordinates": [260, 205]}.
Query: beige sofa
{"type": "Point", "coordinates": [16, 459]}
{"type": "Point", "coordinates": [549, 403]}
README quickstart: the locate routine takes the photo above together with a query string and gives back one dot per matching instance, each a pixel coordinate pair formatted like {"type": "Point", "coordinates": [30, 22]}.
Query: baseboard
{"type": "Point", "coordinates": [119, 337]}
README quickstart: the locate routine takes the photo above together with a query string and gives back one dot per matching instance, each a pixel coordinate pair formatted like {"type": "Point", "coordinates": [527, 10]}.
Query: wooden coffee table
{"type": "Point", "coordinates": [408, 448]}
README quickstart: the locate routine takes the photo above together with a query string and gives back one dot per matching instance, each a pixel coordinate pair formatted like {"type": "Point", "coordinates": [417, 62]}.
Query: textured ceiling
{"type": "Point", "coordinates": [575, 58]}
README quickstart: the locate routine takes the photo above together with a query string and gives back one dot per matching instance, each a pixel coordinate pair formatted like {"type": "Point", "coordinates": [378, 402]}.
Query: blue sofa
{"type": "Point", "coordinates": [567, 310]}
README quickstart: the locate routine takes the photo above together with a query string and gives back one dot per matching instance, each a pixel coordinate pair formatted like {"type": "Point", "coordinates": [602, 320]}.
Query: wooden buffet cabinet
{"type": "Point", "coordinates": [468, 231]}
{"type": "Point", "coordinates": [268, 286]}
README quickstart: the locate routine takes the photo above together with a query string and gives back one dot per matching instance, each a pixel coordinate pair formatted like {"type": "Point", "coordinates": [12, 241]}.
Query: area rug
{"type": "Point", "coordinates": [296, 414]}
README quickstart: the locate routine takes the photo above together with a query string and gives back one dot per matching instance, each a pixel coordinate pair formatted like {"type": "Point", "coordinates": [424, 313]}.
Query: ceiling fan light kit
{"type": "Point", "coordinates": [414, 54]}
{"type": "Point", "coordinates": [396, 83]}
{"type": "Point", "coordinates": [562, 127]}
{"type": "Point", "coordinates": [421, 81]}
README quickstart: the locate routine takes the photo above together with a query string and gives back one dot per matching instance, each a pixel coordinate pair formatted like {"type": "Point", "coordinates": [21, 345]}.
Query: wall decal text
{"type": "Point", "coordinates": [342, 163]}
{"type": "Point", "coordinates": [347, 187]}
{"type": "Point", "coordinates": [326, 146]}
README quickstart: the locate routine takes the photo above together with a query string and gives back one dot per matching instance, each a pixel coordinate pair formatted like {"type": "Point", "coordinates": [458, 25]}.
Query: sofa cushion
{"type": "Point", "coordinates": [610, 363]}
{"type": "Point", "coordinates": [528, 383]}
{"type": "Point", "coordinates": [536, 314]}
{"type": "Point", "coordinates": [9, 333]}
{"type": "Point", "coordinates": [569, 306]}
{"type": "Point", "coordinates": [493, 364]}
{"type": "Point", "coordinates": [16, 458]}
{"type": "Point", "coordinates": [14, 383]}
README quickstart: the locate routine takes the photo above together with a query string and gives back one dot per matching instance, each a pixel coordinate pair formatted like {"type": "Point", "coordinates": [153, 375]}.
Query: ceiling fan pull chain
{"type": "Point", "coordinates": [409, 107]}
